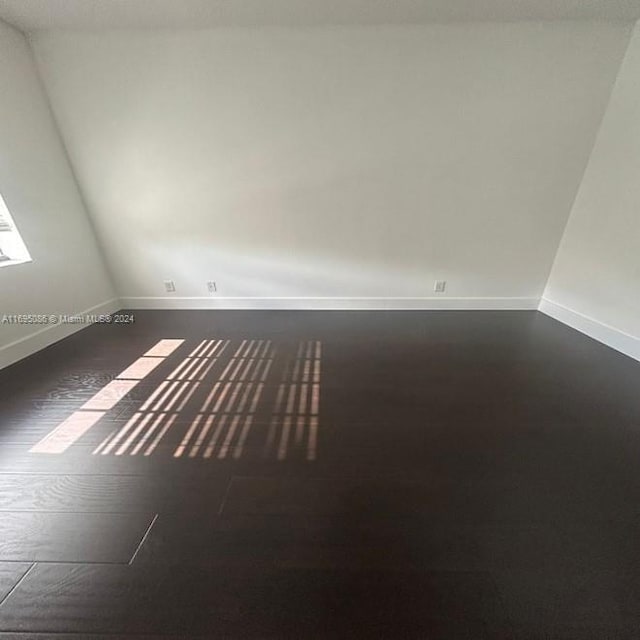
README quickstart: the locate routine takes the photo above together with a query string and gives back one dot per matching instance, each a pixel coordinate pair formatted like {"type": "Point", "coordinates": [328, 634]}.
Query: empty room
{"type": "Point", "coordinates": [320, 319]}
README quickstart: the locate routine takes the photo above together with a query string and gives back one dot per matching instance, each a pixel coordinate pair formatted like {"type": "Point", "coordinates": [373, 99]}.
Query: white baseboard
{"type": "Point", "coordinates": [612, 337]}
{"type": "Point", "coordinates": [346, 303]}
{"type": "Point", "coordinates": [23, 347]}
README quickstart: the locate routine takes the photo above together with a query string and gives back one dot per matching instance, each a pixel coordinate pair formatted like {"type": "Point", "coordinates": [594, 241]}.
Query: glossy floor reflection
{"type": "Point", "coordinates": [321, 475]}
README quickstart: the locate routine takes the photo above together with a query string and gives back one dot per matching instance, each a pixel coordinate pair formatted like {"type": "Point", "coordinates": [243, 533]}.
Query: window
{"type": "Point", "coordinates": [12, 248]}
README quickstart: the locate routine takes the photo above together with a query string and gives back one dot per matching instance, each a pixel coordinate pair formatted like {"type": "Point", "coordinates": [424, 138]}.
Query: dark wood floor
{"type": "Point", "coordinates": [332, 475]}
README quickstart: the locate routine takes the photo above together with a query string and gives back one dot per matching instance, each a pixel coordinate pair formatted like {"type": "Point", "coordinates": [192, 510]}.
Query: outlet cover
{"type": "Point", "coordinates": [169, 286]}
{"type": "Point", "coordinates": [440, 286]}
{"type": "Point", "coordinates": [211, 286]}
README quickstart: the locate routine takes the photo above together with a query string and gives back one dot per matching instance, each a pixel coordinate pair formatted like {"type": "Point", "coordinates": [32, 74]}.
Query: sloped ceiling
{"type": "Point", "coordinates": [30, 15]}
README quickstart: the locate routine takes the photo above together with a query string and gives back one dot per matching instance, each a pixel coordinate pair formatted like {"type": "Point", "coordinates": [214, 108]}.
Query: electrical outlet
{"type": "Point", "coordinates": [169, 286]}
{"type": "Point", "coordinates": [211, 286]}
{"type": "Point", "coordinates": [440, 286]}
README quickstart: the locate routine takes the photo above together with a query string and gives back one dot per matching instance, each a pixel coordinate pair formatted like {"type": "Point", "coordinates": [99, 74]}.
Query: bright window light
{"type": "Point", "coordinates": [12, 248]}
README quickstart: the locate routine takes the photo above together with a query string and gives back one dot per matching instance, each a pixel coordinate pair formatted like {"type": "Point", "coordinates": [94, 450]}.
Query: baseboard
{"type": "Point", "coordinates": [612, 337]}
{"type": "Point", "coordinates": [23, 347]}
{"type": "Point", "coordinates": [331, 303]}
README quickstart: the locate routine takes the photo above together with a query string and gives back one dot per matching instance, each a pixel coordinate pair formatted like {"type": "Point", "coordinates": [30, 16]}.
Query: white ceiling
{"type": "Point", "coordinates": [31, 15]}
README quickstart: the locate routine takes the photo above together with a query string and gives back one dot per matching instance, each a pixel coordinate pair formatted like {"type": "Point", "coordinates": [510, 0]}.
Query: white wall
{"type": "Point", "coordinates": [595, 282]}
{"type": "Point", "coordinates": [67, 275]}
{"type": "Point", "coordinates": [332, 162]}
